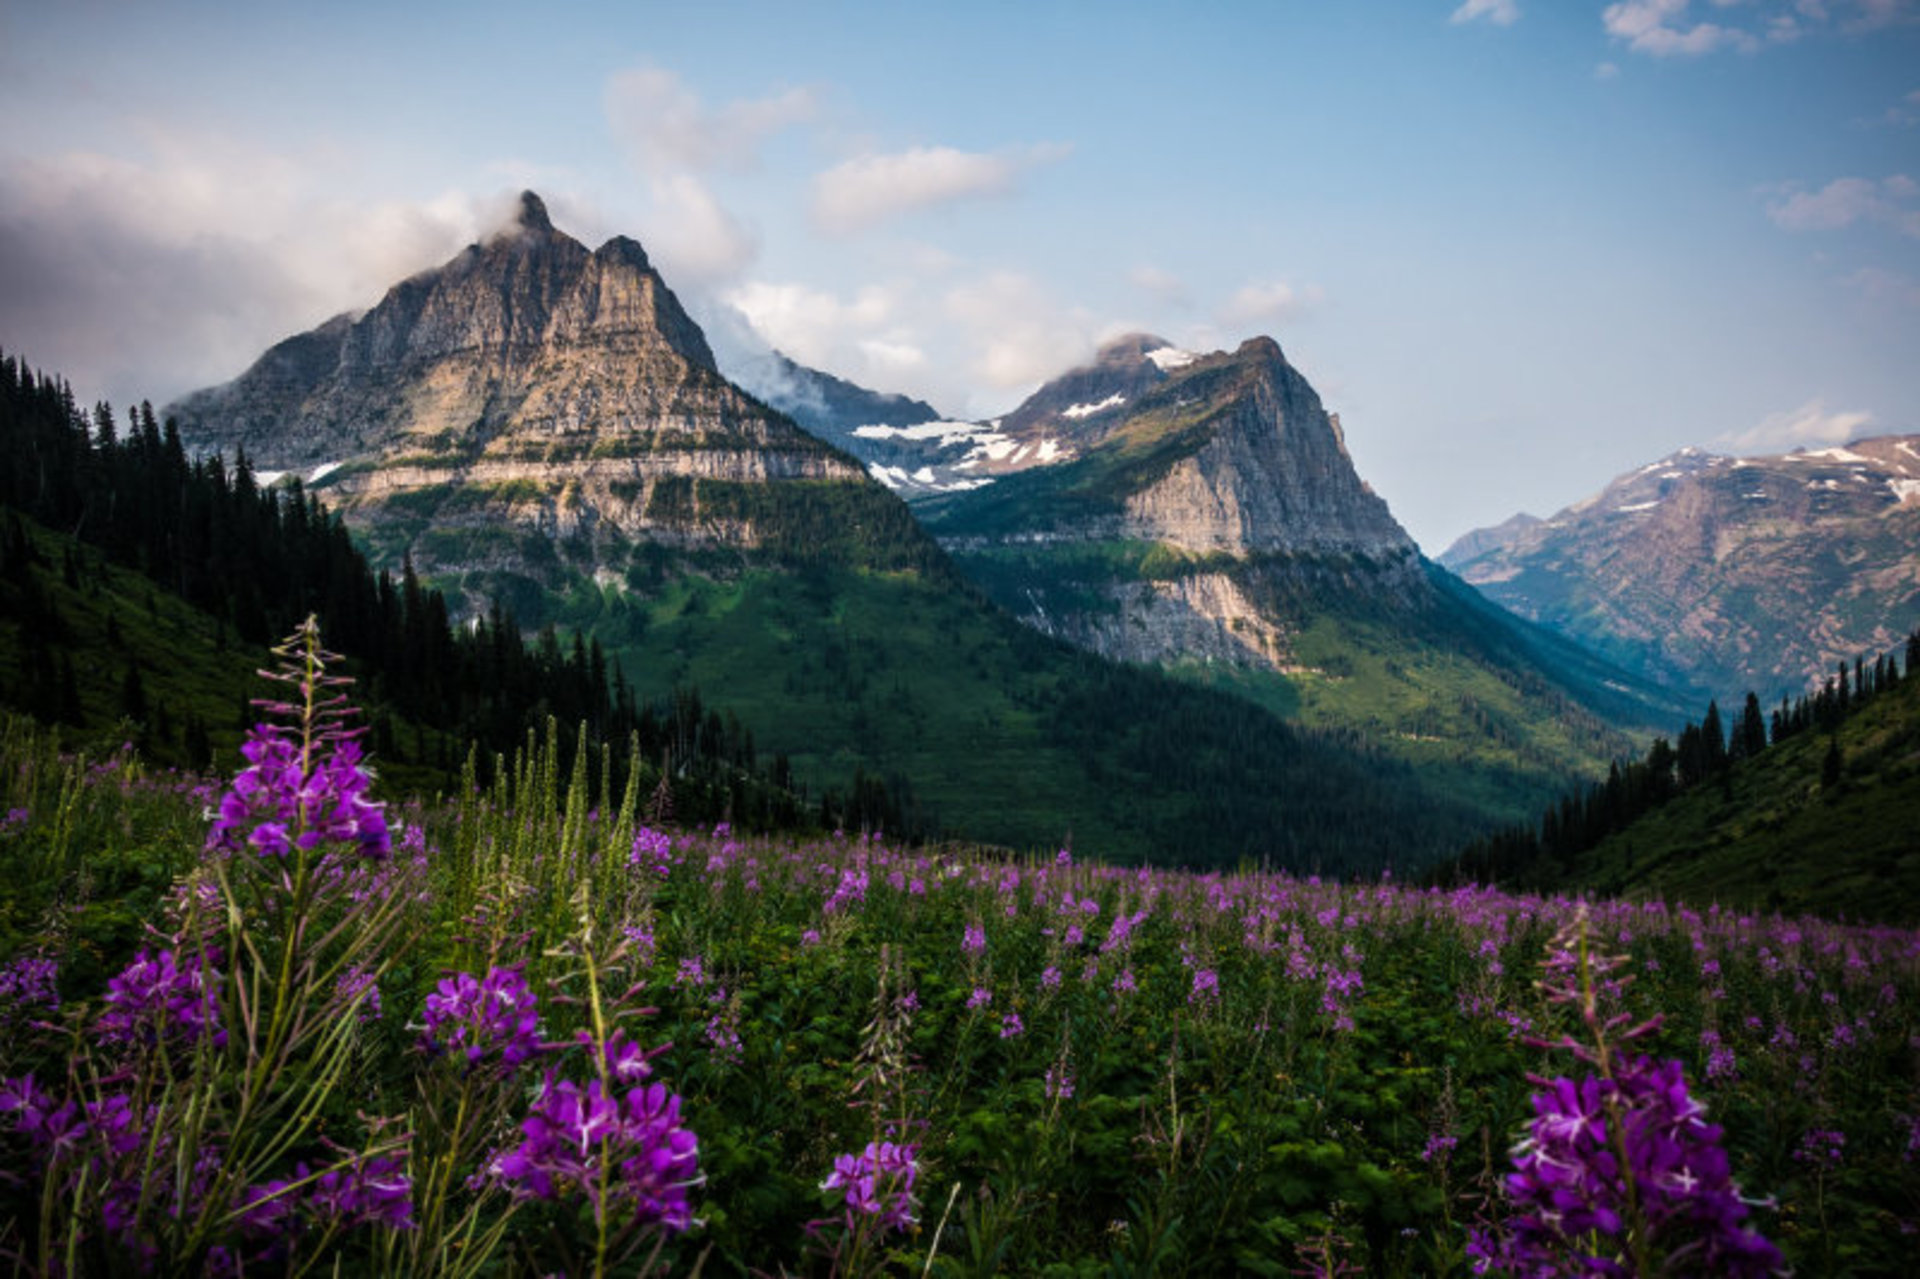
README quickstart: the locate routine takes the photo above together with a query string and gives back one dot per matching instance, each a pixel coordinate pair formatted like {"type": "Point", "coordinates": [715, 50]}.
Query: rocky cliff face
{"type": "Point", "coordinates": [527, 390]}
{"type": "Point", "coordinates": [1228, 464]}
{"type": "Point", "coordinates": [1729, 573]}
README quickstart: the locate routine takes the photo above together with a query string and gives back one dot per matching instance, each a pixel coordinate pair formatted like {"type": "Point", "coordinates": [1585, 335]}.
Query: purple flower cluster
{"type": "Point", "coordinates": [27, 984]}
{"type": "Point", "coordinates": [492, 1017]}
{"type": "Point", "coordinates": [274, 806]}
{"type": "Point", "coordinates": [50, 1125]}
{"type": "Point", "coordinates": [652, 852]}
{"type": "Point", "coordinates": [1574, 1195]}
{"type": "Point", "coordinates": [360, 1192]}
{"type": "Point", "coordinates": [629, 1146]}
{"type": "Point", "coordinates": [878, 1183]}
{"type": "Point", "coordinates": [154, 1001]}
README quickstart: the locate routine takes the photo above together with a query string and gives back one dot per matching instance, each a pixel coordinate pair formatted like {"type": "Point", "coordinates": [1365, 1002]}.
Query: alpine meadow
{"type": "Point", "coordinates": [850, 641]}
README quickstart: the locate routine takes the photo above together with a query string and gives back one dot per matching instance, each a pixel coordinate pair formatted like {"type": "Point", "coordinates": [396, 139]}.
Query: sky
{"type": "Point", "coordinates": [1519, 247]}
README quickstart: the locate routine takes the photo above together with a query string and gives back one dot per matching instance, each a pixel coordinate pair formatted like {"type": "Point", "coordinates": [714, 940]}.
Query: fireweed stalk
{"type": "Point", "coordinates": [1619, 1173]}
{"type": "Point", "coordinates": [203, 1076]}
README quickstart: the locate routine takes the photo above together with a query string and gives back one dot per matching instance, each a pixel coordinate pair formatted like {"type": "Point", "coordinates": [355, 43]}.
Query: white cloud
{"type": "Point", "coordinates": [1501, 13]}
{"type": "Point", "coordinates": [1164, 285]}
{"type": "Point", "coordinates": [693, 238]}
{"type": "Point", "coordinates": [1272, 302]}
{"type": "Point", "coordinates": [1663, 28]}
{"type": "Point", "coordinates": [1607, 71]}
{"type": "Point", "coordinates": [1846, 201]}
{"type": "Point", "coordinates": [1659, 28]}
{"type": "Point", "coordinates": [673, 140]}
{"type": "Point", "coordinates": [1018, 334]}
{"type": "Point", "coordinates": [668, 128]}
{"type": "Point", "coordinates": [812, 325]}
{"type": "Point", "coordinates": [154, 272]}
{"type": "Point", "coordinates": [868, 189]}
{"type": "Point", "coordinates": [1810, 424]}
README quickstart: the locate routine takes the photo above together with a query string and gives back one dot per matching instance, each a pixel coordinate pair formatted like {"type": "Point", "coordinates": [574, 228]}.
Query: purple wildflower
{"type": "Point", "coordinates": [652, 852]}
{"type": "Point", "coordinates": [1011, 1027]}
{"type": "Point", "coordinates": [274, 805]}
{"type": "Point", "coordinates": [1573, 1194]}
{"type": "Point", "coordinates": [1059, 1083]}
{"type": "Point", "coordinates": [632, 1146]}
{"type": "Point", "coordinates": [973, 942]}
{"type": "Point", "coordinates": [1206, 987]}
{"type": "Point", "coordinates": [28, 983]}
{"type": "Point", "coordinates": [496, 1016]}
{"type": "Point", "coordinates": [980, 998]}
{"type": "Point", "coordinates": [1822, 1147]}
{"type": "Point", "coordinates": [878, 1183]}
{"type": "Point", "coordinates": [365, 1192]}
{"type": "Point", "coordinates": [153, 1001]}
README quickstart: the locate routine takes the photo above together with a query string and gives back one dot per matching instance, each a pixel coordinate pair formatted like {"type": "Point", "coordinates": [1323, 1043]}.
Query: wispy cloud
{"type": "Point", "coordinates": [1904, 114]}
{"type": "Point", "coordinates": [1893, 202]}
{"type": "Point", "coordinates": [1668, 29]}
{"type": "Point", "coordinates": [1018, 333]}
{"type": "Point", "coordinates": [869, 189]}
{"type": "Point", "coordinates": [667, 127]}
{"type": "Point", "coordinates": [1883, 285]}
{"type": "Point", "coordinates": [1269, 302]}
{"type": "Point", "coordinates": [1810, 424]}
{"type": "Point", "coordinates": [1161, 284]}
{"type": "Point", "coordinates": [1660, 28]}
{"type": "Point", "coordinates": [1501, 13]}
{"type": "Point", "coordinates": [674, 141]}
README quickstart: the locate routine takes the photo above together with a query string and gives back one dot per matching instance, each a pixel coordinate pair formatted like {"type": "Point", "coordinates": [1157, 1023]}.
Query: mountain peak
{"type": "Point", "coordinates": [533, 213]}
{"type": "Point", "coordinates": [1129, 348]}
{"type": "Point", "coordinates": [1262, 348]}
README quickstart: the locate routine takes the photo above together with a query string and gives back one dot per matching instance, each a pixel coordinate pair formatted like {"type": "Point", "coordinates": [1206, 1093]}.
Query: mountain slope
{"type": "Point", "coordinates": [539, 425]}
{"type": "Point", "coordinates": [1212, 523]}
{"type": "Point", "coordinates": [1724, 573]}
{"type": "Point", "coordinates": [1781, 836]}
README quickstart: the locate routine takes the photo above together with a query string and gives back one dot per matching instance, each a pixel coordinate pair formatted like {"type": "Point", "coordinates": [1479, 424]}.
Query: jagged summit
{"type": "Point", "coordinates": [1227, 452]}
{"type": "Point", "coordinates": [528, 331]}
{"type": "Point", "coordinates": [533, 213]}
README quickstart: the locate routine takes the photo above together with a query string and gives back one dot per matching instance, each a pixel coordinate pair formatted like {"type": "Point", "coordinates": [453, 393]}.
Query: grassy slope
{"type": "Point", "coordinates": [915, 677]}
{"type": "Point", "coordinates": [1773, 837]}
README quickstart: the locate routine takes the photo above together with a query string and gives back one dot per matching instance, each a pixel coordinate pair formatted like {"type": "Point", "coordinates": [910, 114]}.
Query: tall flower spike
{"type": "Point", "coordinates": [288, 796]}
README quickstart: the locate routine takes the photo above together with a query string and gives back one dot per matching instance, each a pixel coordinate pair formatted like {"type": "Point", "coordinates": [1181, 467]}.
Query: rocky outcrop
{"type": "Point", "coordinates": [1202, 617]}
{"type": "Point", "coordinates": [1728, 573]}
{"type": "Point", "coordinates": [528, 386]}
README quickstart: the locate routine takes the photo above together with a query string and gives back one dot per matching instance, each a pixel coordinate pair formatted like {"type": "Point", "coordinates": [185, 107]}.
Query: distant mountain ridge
{"type": "Point", "coordinates": [1721, 572]}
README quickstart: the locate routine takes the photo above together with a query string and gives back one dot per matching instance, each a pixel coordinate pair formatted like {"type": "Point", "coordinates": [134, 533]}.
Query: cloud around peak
{"type": "Point", "coordinates": [1810, 424]}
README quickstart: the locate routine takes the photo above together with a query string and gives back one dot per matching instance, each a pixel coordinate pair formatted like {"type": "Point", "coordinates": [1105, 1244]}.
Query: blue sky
{"type": "Point", "coordinates": [1519, 247]}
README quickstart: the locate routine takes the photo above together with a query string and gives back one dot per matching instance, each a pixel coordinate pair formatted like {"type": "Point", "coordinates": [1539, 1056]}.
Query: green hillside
{"type": "Point", "coordinates": [1776, 834]}
{"type": "Point", "coordinates": [1497, 713]}
{"type": "Point", "coordinates": [111, 658]}
{"type": "Point", "coordinates": [1003, 735]}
